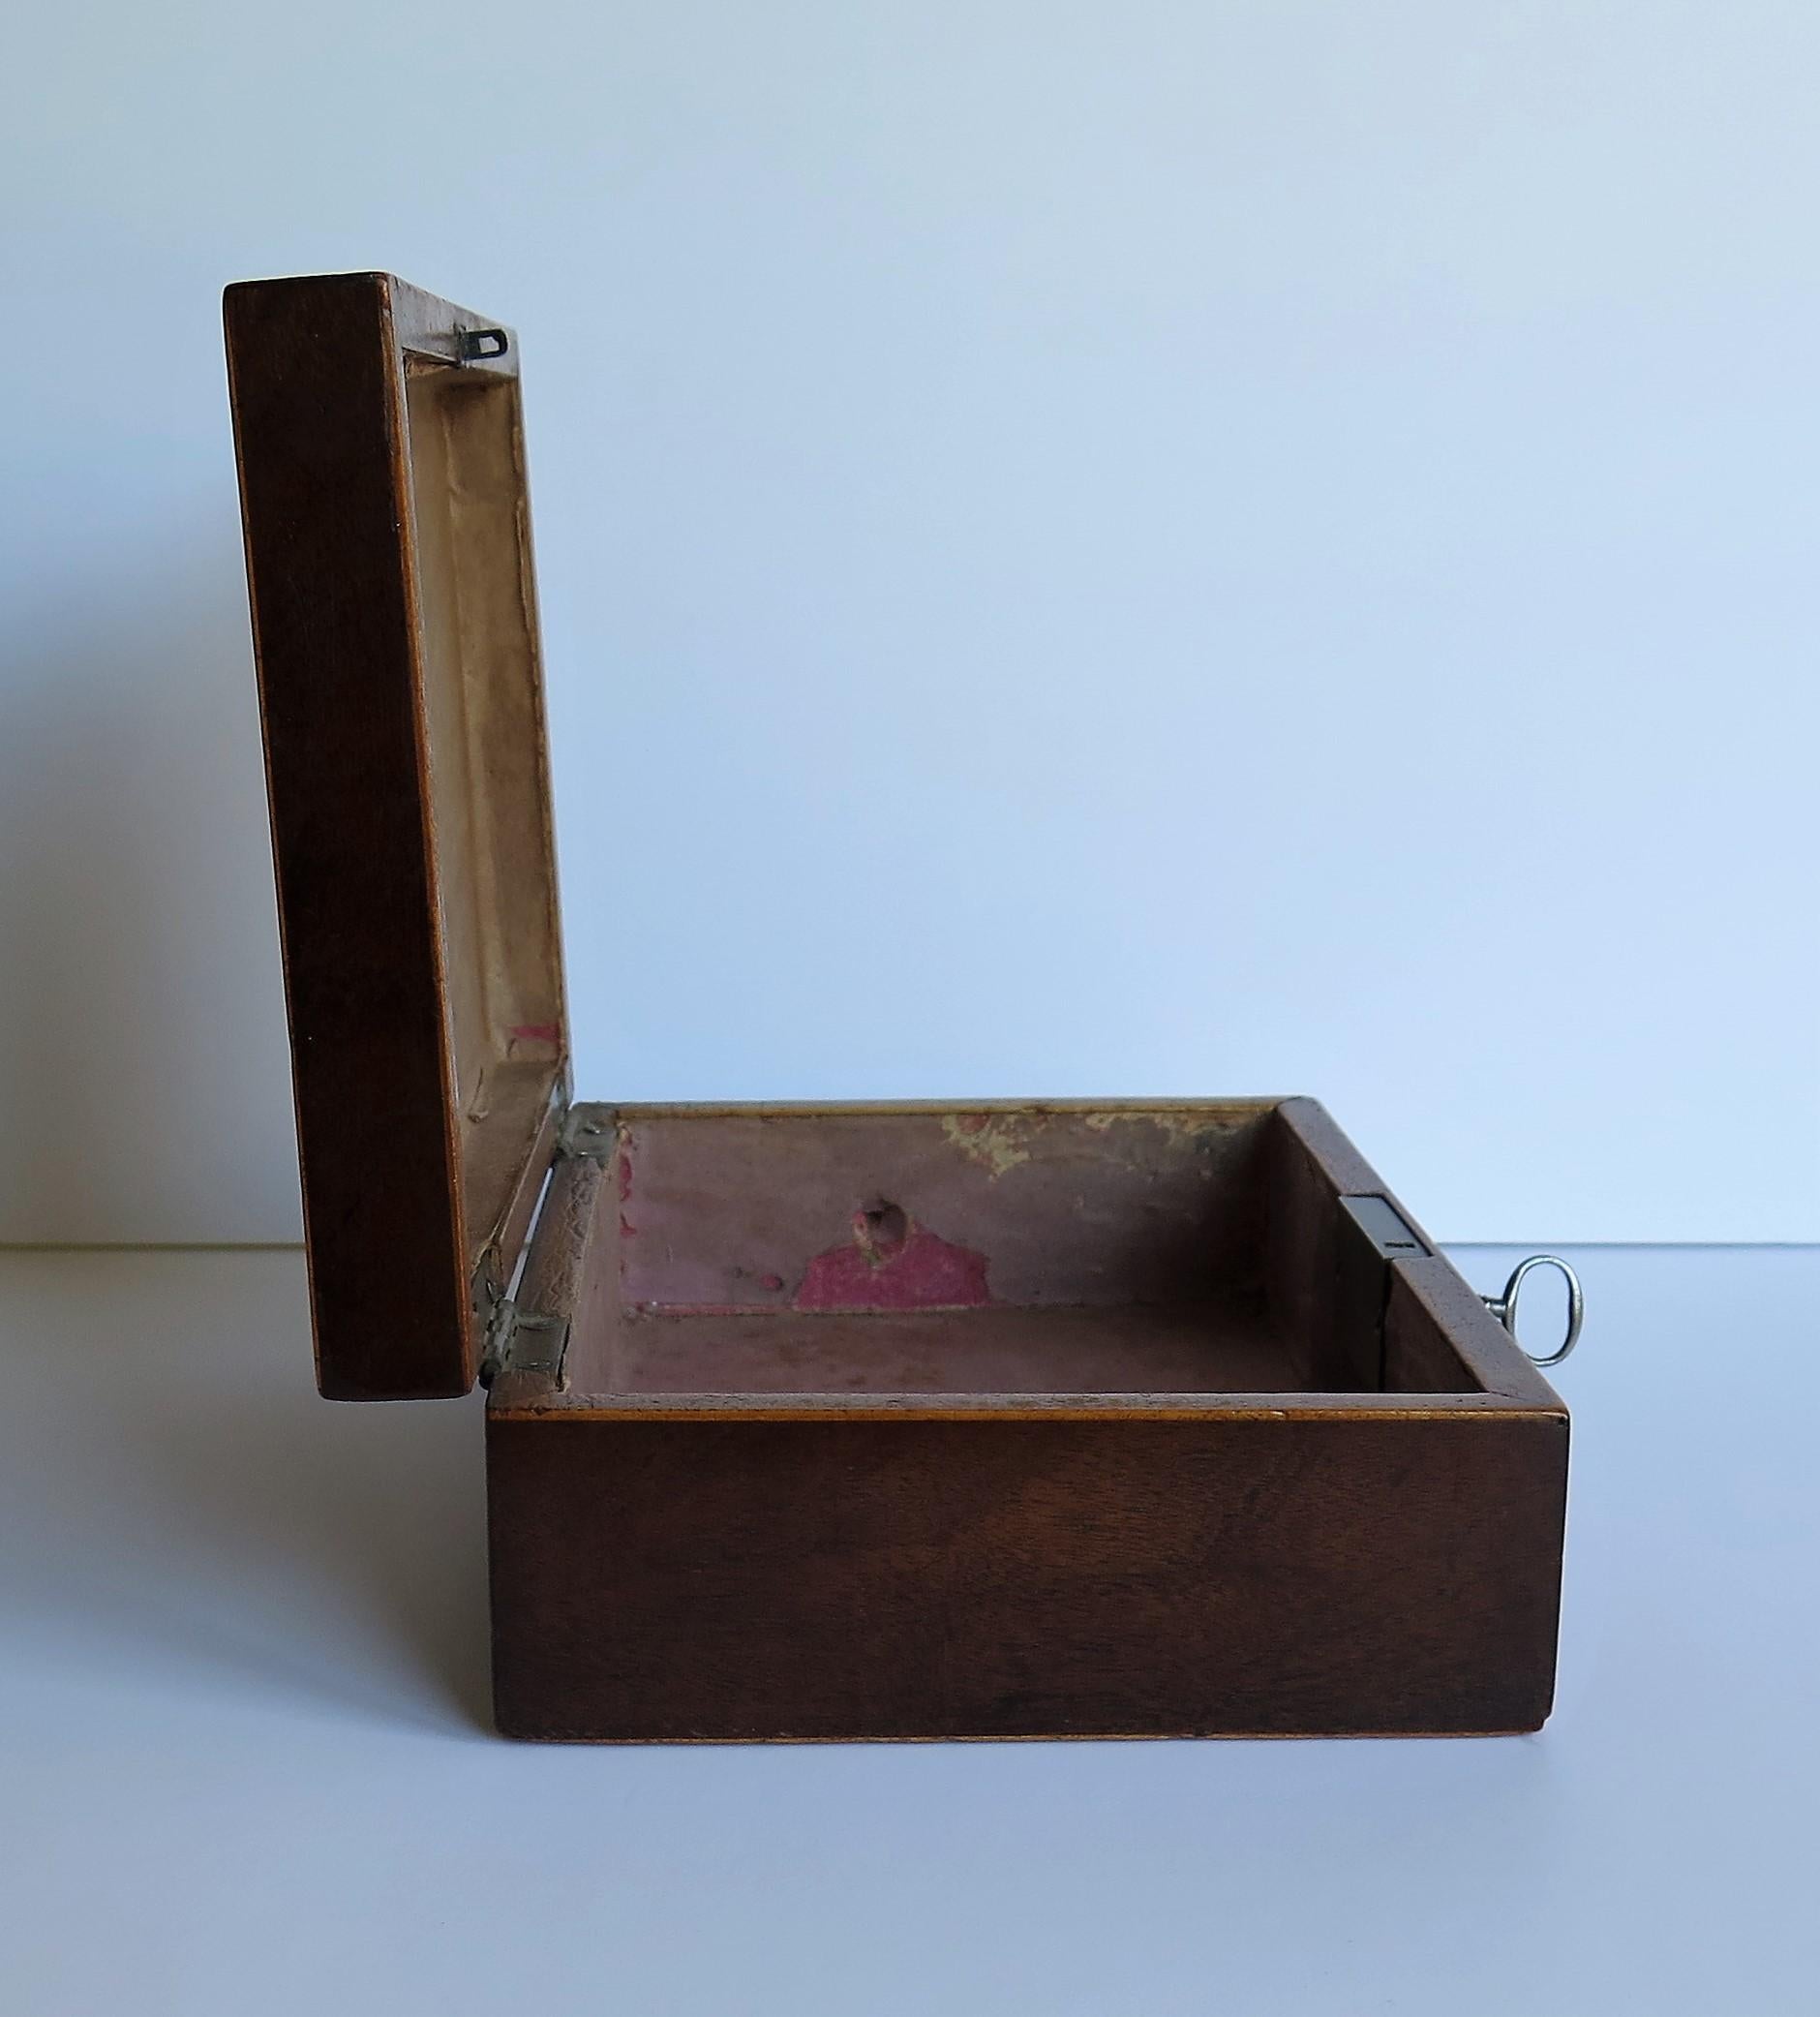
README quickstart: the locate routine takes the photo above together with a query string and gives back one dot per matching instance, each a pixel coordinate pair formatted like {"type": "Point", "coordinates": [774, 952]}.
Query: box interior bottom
{"type": "Point", "coordinates": [969, 1351]}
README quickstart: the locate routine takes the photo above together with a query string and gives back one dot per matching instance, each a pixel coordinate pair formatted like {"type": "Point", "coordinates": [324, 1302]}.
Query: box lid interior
{"type": "Point", "coordinates": [381, 447]}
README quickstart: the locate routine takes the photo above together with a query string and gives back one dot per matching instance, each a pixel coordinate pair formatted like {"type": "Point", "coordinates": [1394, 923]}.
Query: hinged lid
{"type": "Point", "coordinates": [388, 554]}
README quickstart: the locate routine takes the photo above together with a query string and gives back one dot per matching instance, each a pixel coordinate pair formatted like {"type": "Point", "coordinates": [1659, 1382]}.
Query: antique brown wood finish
{"type": "Point", "coordinates": [389, 565]}
{"type": "Point", "coordinates": [1221, 1574]}
{"type": "Point", "coordinates": [1369, 1544]}
{"type": "Point", "coordinates": [1077, 1419]}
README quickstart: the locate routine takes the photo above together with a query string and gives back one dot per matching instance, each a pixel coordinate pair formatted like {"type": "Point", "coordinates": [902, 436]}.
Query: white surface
{"type": "Point", "coordinates": [242, 1764]}
{"type": "Point", "coordinates": [1253, 548]}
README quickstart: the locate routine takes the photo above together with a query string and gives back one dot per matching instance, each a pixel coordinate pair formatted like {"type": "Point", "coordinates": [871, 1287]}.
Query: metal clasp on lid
{"type": "Point", "coordinates": [478, 346]}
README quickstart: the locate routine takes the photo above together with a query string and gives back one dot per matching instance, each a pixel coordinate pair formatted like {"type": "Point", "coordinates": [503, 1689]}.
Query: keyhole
{"type": "Point", "coordinates": [882, 1226]}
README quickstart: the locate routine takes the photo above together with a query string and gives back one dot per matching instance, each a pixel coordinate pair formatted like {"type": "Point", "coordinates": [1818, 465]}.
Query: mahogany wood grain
{"type": "Point", "coordinates": [898, 1551]}
{"type": "Point", "coordinates": [317, 424]}
{"type": "Point", "coordinates": [1021, 1420]}
{"type": "Point", "coordinates": [665, 1581]}
{"type": "Point", "coordinates": [395, 632]}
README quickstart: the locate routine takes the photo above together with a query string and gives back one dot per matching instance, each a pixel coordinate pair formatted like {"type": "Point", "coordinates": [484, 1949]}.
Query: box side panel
{"type": "Point", "coordinates": [1373, 1314]}
{"type": "Point", "coordinates": [1437, 1328]}
{"type": "Point", "coordinates": [1326, 1280]}
{"type": "Point", "coordinates": [761, 1579]}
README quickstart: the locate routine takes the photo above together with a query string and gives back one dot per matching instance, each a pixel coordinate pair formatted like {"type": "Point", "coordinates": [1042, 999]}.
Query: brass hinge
{"type": "Point", "coordinates": [521, 1341]}
{"type": "Point", "coordinates": [587, 1131]}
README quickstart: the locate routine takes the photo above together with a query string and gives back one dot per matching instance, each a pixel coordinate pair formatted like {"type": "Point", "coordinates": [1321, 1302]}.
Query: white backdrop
{"type": "Point", "coordinates": [1153, 548]}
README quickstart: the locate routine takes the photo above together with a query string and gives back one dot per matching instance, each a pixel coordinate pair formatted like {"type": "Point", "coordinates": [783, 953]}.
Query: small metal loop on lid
{"type": "Point", "coordinates": [477, 346]}
{"type": "Point", "coordinates": [1504, 1307]}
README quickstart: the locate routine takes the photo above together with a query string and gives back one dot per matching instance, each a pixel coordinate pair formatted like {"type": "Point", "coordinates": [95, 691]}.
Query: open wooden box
{"type": "Point", "coordinates": [1110, 1419]}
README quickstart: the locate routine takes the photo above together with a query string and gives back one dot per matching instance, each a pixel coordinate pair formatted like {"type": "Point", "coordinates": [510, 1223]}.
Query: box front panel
{"type": "Point", "coordinates": [1013, 1579]}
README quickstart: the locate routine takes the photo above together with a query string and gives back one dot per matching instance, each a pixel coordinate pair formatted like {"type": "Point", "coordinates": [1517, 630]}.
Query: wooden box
{"type": "Point", "coordinates": [1124, 1418]}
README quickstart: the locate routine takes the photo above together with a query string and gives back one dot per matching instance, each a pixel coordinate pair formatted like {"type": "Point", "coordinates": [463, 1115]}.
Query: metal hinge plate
{"type": "Point", "coordinates": [516, 1339]}
{"type": "Point", "coordinates": [587, 1131]}
{"type": "Point", "coordinates": [1386, 1227]}
{"type": "Point", "coordinates": [522, 1341]}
